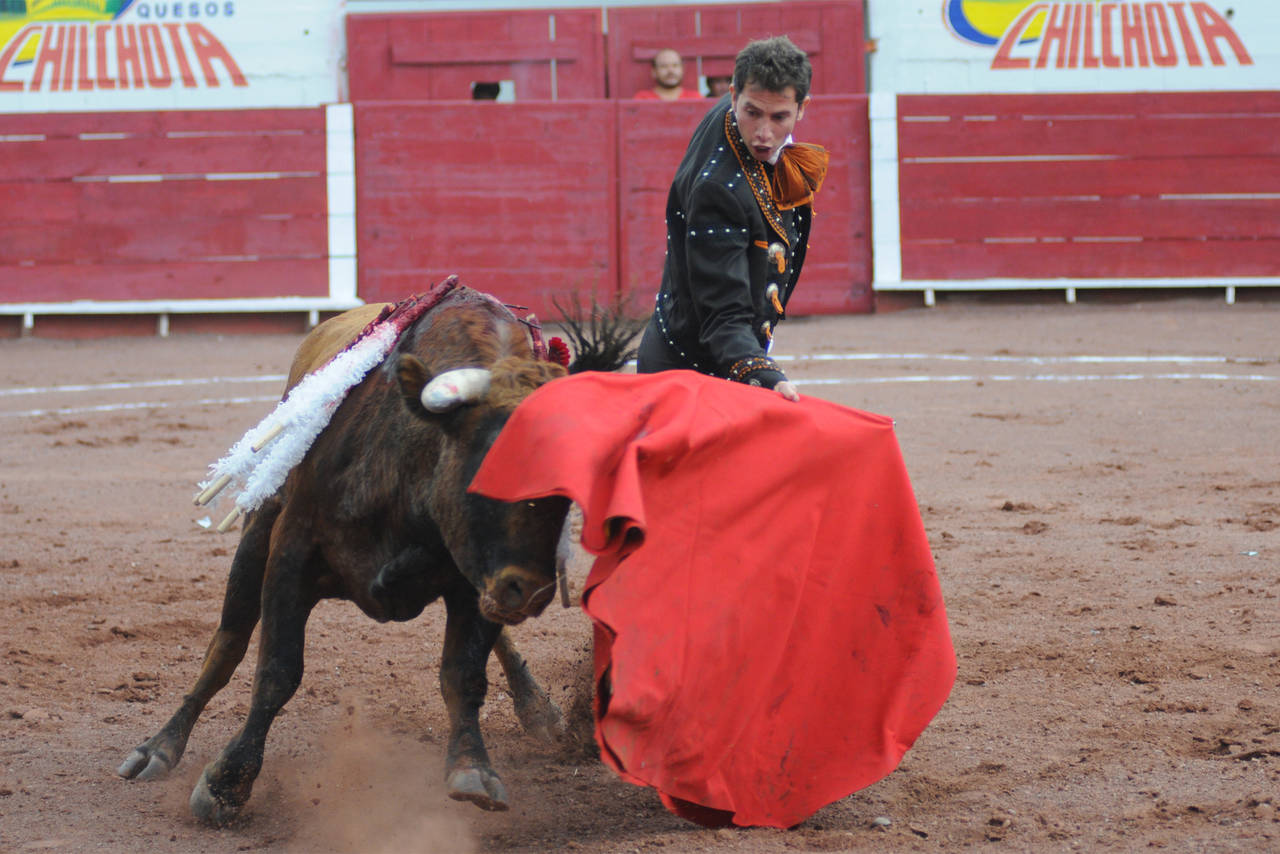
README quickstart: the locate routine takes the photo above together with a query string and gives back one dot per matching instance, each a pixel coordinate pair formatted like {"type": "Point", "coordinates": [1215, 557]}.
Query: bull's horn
{"type": "Point", "coordinates": [454, 388]}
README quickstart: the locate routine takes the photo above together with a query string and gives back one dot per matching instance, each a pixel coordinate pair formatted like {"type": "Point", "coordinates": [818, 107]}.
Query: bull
{"type": "Point", "coordinates": [377, 513]}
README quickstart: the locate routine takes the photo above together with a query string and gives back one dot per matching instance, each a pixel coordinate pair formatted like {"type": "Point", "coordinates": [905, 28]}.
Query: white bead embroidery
{"type": "Point", "coordinates": [662, 324]}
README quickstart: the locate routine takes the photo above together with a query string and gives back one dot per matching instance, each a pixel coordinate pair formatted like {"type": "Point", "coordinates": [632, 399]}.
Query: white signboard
{"type": "Point", "coordinates": [956, 46]}
{"type": "Point", "coordinates": [73, 55]}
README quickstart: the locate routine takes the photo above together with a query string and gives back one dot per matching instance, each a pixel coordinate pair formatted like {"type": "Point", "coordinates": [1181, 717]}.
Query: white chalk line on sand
{"type": "Point", "coordinates": [1024, 360]}
{"type": "Point", "coordinates": [126, 386]}
{"type": "Point", "coordinates": [802, 358]}
{"type": "Point", "coordinates": [1003, 378]}
{"type": "Point", "coordinates": [124, 407]}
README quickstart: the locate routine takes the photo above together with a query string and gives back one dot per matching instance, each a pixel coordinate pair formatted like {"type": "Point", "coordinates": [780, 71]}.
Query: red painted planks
{"type": "Point", "coordinates": [509, 200]}
{"type": "Point", "coordinates": [1091, 260]}
{"type": "Point", "coordinates": [406, 50]}
{"type": "Point", "coordinates": [194, 239]}
{"type": "Point", "coordinates": [1089, 186]}
{"type": "Point", "coordinates": [1171, 218]}
{"type": "Point", "coordinates": [1045, 104]}
{"type": "Point", "coordinates": [1107, 178]}
{"type": "Point", "coordinates": [67, 233]}
{"type": "Point", "coordinates": [160, 122]}
{"type": "Point", "coordinates": [167, 281]}
{"type": "Point", "coordinates": [709, 37]}
{"type": "Point", "coordinates": [837, 269]}
{"type": "Point", "coordinates": [546, 53]}
{"type": "Point", "coordinates": [653, 139]}
{"type": "Point", "coordinates": [525, 294]}
{"type": "Point", "coordinates": [60, 146]}
{"type": "Point", "coordinates": [1145, 136]}
{"type": "Point", "coordinates": [64, 159]}
{"type": "Point", "coordinates": [509, 196]}
{"type": "Point", "coordinates": [100, 202]}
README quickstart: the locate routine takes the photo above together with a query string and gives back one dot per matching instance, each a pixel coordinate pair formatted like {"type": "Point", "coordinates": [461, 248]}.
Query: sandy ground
{"type": "Point", "coordinates": [1101, 487]}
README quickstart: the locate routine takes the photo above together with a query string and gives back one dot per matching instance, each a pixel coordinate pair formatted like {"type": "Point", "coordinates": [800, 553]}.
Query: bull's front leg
{"type": "Point", "coordinates": [158, 755]}
{"type": "Point", "coordinates": [468, 640]}
{"type": "Point", "coordinates": [402, 589]}
{"type": "Point", "coordinates": [287, 600]}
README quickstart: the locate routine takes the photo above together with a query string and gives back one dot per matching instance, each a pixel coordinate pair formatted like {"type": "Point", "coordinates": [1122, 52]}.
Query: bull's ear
{"type": "Point", "coordinates": [412, 376]}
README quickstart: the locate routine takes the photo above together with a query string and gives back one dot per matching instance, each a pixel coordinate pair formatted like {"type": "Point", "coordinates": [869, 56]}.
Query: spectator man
{"type": "Point", "coordinates": [738, 217]}
{"type": "Point", "coordinates": [719, 85]}
{"type": "Point", "coordinates": [668, 75]}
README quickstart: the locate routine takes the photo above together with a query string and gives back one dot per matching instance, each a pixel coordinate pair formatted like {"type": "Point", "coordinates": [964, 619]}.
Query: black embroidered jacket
{"type": "Point", "coordinates": [733, 258]}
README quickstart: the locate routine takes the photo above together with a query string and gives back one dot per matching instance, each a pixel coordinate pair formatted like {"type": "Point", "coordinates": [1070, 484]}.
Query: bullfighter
{"type": "Point", "coordinates": [738, 218]}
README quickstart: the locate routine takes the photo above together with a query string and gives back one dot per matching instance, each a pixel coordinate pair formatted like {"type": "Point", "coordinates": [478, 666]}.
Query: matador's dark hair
{"type": "Point", "coordinates": [773, 64]}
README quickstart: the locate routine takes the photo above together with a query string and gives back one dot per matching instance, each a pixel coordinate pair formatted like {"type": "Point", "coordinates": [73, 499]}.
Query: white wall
{"type": "Point", "coordinates": [288, 53]}
{"type": "Point", "coordinates": [921, 48]}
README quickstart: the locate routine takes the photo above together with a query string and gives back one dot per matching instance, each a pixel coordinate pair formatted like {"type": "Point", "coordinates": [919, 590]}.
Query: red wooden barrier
{"type": "Point", "coordinates": [547, 53]}
{"type": "Point", "coordinates": [163, 205]}
{"type": "Point", "coordinates": [1090, 186]}
{"type": "Point", "coordinates": [519, 199]}
{"type": "Point", "coordinates": [653, 140]}
{"type": "Point", "coordinates": [830, 32]}
{"type": "Point", "coordinates": [529, 214]}
{"type": "Point", "coordinates": [522, 199]}
{"type": "Point", "coordinates": [837, 270]}
{"type": "Point", "coordinates": [534, 200]}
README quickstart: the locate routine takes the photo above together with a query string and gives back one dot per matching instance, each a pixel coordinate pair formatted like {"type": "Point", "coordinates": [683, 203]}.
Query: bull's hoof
{"type": "Point", "coordinates": [482, 788]}
{"type": "Point", "coordinates": [145, 763]}
{"type": "Point", "coordinates": [208, 808]}
{"type": "Point", "coordinates": [541, 718]}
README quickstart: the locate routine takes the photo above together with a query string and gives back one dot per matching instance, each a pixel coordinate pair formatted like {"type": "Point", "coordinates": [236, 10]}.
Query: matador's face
{"type": "Point", "coordinates": [765, 119]}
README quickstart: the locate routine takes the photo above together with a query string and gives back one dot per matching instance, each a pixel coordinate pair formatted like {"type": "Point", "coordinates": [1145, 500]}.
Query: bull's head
{"type": "Point", "coordinates": [506, 550]}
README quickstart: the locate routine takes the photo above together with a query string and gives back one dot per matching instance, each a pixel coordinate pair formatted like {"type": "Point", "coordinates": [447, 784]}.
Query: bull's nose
{"type": "Point", "coordinates": [512, 593]}
{"type": "Point", "coordinates": [515, 589]}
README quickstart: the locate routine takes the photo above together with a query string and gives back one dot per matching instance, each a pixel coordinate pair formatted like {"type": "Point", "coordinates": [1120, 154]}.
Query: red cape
{"type": "Point", "coordinates": [770, 633]}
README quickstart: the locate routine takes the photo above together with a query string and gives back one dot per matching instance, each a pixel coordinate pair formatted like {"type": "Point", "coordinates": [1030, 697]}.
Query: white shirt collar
{"type": "Point", "coordinates": [773, 161]}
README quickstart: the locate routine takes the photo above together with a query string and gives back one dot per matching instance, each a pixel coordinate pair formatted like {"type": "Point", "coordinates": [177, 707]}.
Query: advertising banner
{"type": "Point", "coordinates": [107, 55]}
{"type": "Point", "coordinates": [956, 46]}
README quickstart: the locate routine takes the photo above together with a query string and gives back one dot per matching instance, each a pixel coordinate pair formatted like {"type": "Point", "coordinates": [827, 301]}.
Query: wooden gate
{"type": "Point", "coordinates": [709, 37]}
{"type": "Point", "coordinates": [563, 191]}
{"type": "Point", "coordinates": [544, 54]}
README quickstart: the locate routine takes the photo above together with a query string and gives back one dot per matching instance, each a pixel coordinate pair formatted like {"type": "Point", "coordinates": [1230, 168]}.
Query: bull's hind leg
{"type": "Point", "coordinates": [540, 717]}
{"type": "Point", "coordinates": [468, 640]}
{"type": "Point", "coordinates": [158, 755]}
{"type": "Point", "coordinates": [287, 600]}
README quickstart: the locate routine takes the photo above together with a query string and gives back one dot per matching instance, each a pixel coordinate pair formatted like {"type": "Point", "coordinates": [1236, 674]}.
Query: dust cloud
{"type": "Point", "coordinates": [367, 791]}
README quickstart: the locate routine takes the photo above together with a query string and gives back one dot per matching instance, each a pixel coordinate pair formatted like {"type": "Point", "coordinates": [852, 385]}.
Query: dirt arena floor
{"type": "Point", "coordinates": [1101, 487]}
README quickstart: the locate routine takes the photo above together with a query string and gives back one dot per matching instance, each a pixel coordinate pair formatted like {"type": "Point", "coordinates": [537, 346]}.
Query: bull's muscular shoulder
{"type": "Point", "coordinates": [327, 340]}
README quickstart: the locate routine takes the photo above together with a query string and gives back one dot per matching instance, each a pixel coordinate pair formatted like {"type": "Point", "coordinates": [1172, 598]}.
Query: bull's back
{"type": "Point", "coordinates": [329, 338]}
